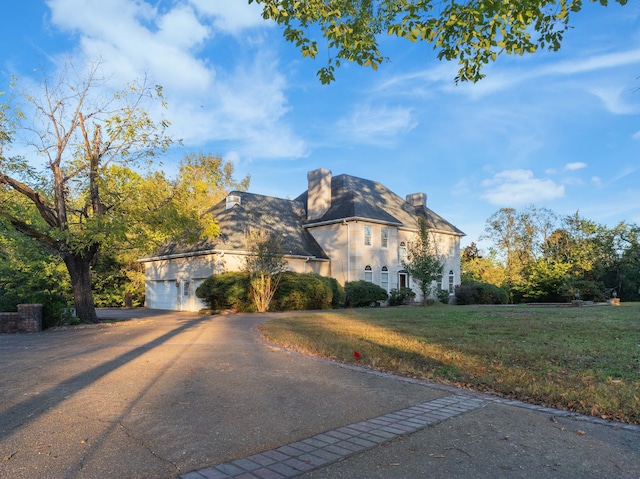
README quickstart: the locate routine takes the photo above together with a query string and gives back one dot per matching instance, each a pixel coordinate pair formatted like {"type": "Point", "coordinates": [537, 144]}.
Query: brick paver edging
{"type": "Point", "coordinates": [328, 447]}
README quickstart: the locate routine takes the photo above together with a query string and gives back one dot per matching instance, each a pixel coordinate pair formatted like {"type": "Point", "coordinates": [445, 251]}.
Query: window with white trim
{"type": "Point", "coordinates": [384, 278]}
{"type": "Point", "coordinates": [367, 236]}
{"type": "Point", "coordinates": [384, 237]}
{"type": "Point", "coordinates": [402, 251]}
{"type": "Point", "coordinates": [451, 282]}
{"type": "Point", "coordinates": [368, 274]}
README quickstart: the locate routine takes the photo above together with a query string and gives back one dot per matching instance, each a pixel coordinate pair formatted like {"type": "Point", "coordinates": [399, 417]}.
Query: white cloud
{"type": "Point", "coordinates": [244, 100]}
{"type": "Point", "coordinates": [517, 187]}
{"type": "Point", "coordinates": [636, 135]}
{"type": "Point", "coordinates": [578, 165]}
{"type": "Point", "coordinates": [232, 16]}
{"type": "Point", "coordinates": [378, 125]}
{"type": "Point", "coordinates": [596, 181]}
{"type": "Point", "coordinates": [612, 98]}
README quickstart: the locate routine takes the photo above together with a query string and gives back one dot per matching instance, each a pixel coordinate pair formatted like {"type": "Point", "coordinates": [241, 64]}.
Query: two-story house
{"type": "Point", "coordinates": [345, 227]}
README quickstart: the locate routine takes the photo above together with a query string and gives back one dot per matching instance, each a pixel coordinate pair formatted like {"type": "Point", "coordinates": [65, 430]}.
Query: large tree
{"type": "Point", "coordinates": [74, 138]}
{"type": "Point", "coordinates": [474, 32]}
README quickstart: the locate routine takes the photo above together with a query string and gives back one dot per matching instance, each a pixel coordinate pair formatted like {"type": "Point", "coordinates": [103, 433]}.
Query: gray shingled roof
{"type": "Point", "coordinates": [353, 197]}
{"type": "Point", "coordinates": [255, 212]}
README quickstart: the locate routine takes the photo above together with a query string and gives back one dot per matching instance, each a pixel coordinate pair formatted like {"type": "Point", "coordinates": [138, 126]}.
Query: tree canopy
{"type": "Point", "coordinates": [72, 175]}
{"type": "Point", "coordinates": [473, 32]}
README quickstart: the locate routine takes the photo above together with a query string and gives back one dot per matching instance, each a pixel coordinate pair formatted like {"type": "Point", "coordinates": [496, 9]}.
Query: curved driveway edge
{"type": "Point", "coordinates": [166, 394]}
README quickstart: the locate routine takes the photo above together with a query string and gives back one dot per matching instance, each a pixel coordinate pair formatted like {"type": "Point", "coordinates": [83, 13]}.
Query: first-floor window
{"type": "Point", "coordinates": [451, 281]}
{"type": "Point", "coordinates": [368, 274]}
{"type": "Point", "coordinates": [384, 278]}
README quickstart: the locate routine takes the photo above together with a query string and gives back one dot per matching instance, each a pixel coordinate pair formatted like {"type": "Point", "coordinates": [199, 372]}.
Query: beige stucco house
{"type": "Point", "coordinates": [345, 227]}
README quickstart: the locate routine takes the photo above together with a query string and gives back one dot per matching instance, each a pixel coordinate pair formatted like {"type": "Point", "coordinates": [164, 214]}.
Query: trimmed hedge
{"type": "Point", "coordinates": [363, 293]}
{"type": "Point", "coordinates": [296, 291]}
{"type": "Point", "coordinates": [480, 293]}
{"type": "Point", "coordinates": [226, 291]}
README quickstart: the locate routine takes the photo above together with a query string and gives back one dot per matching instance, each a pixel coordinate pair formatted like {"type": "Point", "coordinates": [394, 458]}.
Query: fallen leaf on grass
{"type": "Point", "coordinates": [580, 433]}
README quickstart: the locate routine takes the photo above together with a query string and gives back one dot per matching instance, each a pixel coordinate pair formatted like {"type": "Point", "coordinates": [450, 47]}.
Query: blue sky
{"type": "Point", "coordinates": [558, 130]}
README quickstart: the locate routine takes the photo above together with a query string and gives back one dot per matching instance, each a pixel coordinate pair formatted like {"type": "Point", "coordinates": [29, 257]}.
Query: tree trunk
{"type": "Point", "coordinates": [79, 266]}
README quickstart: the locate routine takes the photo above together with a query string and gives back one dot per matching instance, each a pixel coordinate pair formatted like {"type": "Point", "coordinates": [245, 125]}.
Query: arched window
{"type": "Point", "coordinates": [384, 278]}
{"type": "Point", "coordinates": [368, 274]}
{"type": "Point", "coordinates": [402, 251]}
{"type": "Point", "coordinates": [452, 278]}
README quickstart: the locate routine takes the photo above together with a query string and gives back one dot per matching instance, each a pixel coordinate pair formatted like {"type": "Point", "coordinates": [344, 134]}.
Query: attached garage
{"type": "Point", "coordinates": [162, 294]}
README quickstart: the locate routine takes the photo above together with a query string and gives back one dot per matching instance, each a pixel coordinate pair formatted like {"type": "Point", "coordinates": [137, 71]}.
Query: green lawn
{"type": "Point", "coordinates": [583, 359]}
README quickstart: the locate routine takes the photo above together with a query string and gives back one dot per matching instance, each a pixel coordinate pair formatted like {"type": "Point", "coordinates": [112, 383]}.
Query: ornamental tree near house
{"type": "Point", "coordinates": [474, 32]}
{"type": "Point", "coordinates": [264, 264]}
{"type": "Point", "coordinates": [74, 137]}
{"type": "Point", "coordinates": [422, 261]}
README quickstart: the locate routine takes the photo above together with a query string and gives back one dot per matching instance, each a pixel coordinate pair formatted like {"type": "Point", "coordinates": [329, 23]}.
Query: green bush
{"type": "Point", "coordinates": [54, 306]}
{"type": "Point", "coordinates": [443, 295]}
{"type": "Point", "coordinates": [401, 296]}
{"type": "Point", "coordinates": [339, 295]}
{"type": "Point", "coordinates": [302, 291]}
{"type": "Point", "coordinates": [480, 293]}
{"type": "Point", "coordinates": [295, 292]}
{"type": "Point", "coordinates": [226, 291]}
{"type": "Point", "coordinates": [363, 293]}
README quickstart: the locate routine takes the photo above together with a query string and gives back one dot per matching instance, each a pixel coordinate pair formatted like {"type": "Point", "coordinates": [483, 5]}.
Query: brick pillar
{"type": "Point", "coordinates": [29, 318]}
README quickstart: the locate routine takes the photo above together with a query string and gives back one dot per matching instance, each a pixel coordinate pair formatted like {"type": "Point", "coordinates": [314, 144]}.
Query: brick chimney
{"type": "Point", "coordinates": [417, 199]}
{"type": "Point", "coordinates": [318, 194]}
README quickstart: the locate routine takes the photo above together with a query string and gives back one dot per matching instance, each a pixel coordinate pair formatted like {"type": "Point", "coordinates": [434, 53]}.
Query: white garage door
{"type": "Point", "coordinates": [162, 295]}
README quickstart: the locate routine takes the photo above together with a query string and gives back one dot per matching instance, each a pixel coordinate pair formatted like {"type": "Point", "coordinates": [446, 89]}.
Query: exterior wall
{"type": "Point", "coordinates": [344, 243]}
{"type": "Point", "coordinates": [171, 283]}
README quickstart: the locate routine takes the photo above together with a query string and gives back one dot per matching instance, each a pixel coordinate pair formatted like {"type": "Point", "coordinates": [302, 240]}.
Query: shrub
{"type": "Point", "coordinates": [363, 293]}
{"type": "Point", "coordinates": [339, 296]}
{"type": "Point", "coordinates": [300, 291]}
{"type": "Point", "coordinates": [401, 296]}
{"type": "Point", "coordinates": [481, 293]}
{"type": "Point", "coordinates": [226, 291]}
{"type": "Point", "coordinates": [54, 306]}
{"type": "Point", "coordinates": [443, 295]}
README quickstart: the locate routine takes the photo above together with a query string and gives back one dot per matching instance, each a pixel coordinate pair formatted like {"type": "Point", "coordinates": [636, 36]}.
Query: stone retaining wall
{"type": "Point", "coordinates": [28, 319]}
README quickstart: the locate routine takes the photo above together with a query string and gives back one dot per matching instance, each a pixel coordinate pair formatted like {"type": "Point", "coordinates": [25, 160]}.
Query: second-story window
{"type": "Point", "coordinates": [384, 238]}
{"type": "Point", "coordinates": [402, 251]}
{"type": "Point", "coordinates": [367, 235]}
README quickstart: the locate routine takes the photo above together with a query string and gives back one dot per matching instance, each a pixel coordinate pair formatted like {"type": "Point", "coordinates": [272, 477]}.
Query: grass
{"type": "Point", "coordinates": [581, 359]}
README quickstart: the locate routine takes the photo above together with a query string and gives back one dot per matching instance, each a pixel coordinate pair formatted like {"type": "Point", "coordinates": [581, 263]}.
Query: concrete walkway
{"type": "Point", "coordinates": [169, 395]}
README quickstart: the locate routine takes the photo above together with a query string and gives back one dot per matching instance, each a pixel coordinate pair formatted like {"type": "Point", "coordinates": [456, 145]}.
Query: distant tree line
{"type": "Point", "coordinates": [539, 256]}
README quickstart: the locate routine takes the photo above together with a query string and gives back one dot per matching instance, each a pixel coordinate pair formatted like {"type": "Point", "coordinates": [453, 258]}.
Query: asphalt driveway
{"type": "Point", "coordinates": [165, 394]}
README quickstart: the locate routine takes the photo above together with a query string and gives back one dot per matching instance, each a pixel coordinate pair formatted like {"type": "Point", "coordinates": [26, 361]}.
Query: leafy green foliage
{"type": "Point", "coordinates": [363, 293]}
{"type": "Point", "coordinates": [401, 296]}
{"type": "Point", "coordinates": [226, 291]}
{"type": "Point", "coordinates": [472, 32]}
{"type": "Point", "coordinates": [480, 293]}
{"type": "Point", "coordinates": [298, 291]}
{"type": "Point", "coordinates": [422, 261]}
